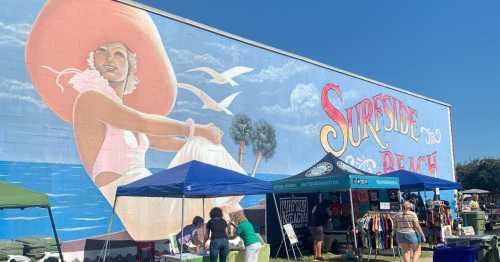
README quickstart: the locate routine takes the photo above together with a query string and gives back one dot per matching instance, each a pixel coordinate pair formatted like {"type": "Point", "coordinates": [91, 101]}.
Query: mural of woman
{"type": "Point", "coordinates": [102, 67]}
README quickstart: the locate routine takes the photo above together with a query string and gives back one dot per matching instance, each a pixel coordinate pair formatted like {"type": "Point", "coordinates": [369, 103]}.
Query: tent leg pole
{"type": "Point", "coordinates": [265, 221]}
{"type": "Point", "coordinates": [353, 223]}
{"type": "Point", "coordinates": [203, 205]}
{"type": "Point", "coordinates": [55, 233]}
{"type": "Point", "coordinates": [110, 227]}
{"type": "Point", "coordinates": [281, 226]}
{"type": "Point", "coordinates": [399, 198]}
{"type": "Point", "coordinates": [182, 229]}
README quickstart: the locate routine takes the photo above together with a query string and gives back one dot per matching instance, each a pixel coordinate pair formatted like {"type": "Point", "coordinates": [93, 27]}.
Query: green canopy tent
{"type": "Point", "coordinates": [331, 174]}
{"type": "Point", "coordinates": [12, 196]}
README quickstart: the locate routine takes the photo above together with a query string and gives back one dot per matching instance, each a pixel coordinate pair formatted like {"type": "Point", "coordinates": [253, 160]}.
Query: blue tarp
{"type": "Point", "coordinates": [195, 179]}
{"type": "Point", "coordinates": [411, 181]}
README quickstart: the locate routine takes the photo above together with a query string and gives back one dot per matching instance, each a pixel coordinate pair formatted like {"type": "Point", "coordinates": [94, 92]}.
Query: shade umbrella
{"type": "Point", "coordinates": [475, 191]}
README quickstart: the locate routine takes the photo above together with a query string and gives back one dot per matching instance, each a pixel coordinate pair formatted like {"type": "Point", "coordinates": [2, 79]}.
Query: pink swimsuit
{"type": "Point", "coordinates": [121, 150]}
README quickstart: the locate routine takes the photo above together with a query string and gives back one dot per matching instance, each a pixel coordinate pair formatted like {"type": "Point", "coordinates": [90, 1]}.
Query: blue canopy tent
{"type": "Point", "coordinates": [411, 181]}
{"type": "Point", "coordinates": [193, 179]}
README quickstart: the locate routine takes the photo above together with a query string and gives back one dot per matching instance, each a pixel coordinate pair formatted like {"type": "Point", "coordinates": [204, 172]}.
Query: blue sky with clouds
{"type": "Point", "coordinates": [447, 49]}
{"type": "Point", "coordinates": [280, 90]}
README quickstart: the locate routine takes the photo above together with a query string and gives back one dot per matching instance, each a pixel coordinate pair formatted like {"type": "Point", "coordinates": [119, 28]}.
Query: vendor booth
{"type": "Point", "coordinates": [195, 179]}
{"type": "Point", "coordinates": [352, 194]}
{"type": "Point", "coordinates": [434, 215]}
{"type": "Point", "coordinates": [12, 196]}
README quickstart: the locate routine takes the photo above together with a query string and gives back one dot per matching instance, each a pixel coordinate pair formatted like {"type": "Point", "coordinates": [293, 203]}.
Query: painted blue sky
{"type": "Point", "coordinates": [446, 50]}
{"type": "Point", "coordinates": [280, 90]}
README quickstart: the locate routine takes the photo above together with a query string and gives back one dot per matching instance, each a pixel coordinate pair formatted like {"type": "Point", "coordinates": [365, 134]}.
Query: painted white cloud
{"type": "Point", "coordinates": [12, 89]}
{"type": "Point", "coordinates": [307, 130]}
{"type": "Point", "coordinates": [350, 95]}
{"type": "Point", "coordinates": [14, 34]}
{"type": "Point", "coordinates": [15, 85]}
{"type": "Point", "coordinates": [22, 98]}
{"type": "Point", "coordinates": [230, 50]}
{"type": "Point", "coordinates": [349, 98]}
{"type": "Point", "coordinates": [277, 73]}
{"type": "Point", "coordinates": [184, 103]}
{"type": "Point", "coordinates": [189, 107]}
{"type": "Point", "coordinates": [304, 99]}
{"type": "Point", "coordinates": [187, 57]}
{"type": "Point", "coordinates": [192, 78]}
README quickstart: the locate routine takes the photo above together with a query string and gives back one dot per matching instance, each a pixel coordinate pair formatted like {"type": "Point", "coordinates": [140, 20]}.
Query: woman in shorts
{"type": "Point", "coordinates": [409, 233]}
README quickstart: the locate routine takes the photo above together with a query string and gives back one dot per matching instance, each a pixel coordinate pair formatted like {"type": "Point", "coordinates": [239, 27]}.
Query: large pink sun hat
{"type": "Point", "coordinates": [66, 31]}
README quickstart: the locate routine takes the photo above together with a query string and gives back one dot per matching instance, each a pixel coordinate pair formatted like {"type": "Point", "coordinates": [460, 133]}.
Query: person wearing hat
{"type": "Point", "coordinates": [101, 66]}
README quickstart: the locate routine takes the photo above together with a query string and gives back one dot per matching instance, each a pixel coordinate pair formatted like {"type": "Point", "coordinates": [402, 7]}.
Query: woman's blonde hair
{"type": "Point", "coordinates": [407, 206]}
{"type": "Point", "coordinates": [237, 217]}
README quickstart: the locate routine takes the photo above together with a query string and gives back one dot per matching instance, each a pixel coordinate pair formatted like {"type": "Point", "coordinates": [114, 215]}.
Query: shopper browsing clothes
{"type": "Point", "coordinates": [246, 231]}
{"type": "Point", "coordinates": [217, 231]}
{"type": "Point", "coordinates": [409, 233]}
{"type": "Point", "coordinates": [319, 218]}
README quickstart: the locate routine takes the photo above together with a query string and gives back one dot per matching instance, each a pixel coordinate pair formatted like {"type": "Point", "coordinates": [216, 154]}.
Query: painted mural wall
{"type": "Point", "coordinates": [96, 94]}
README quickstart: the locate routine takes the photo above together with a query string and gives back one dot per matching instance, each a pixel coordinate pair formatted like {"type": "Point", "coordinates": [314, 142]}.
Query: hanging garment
{"type": "Point", "coordinates": [363, 196]}
{"type": "Point", "coordinates": [376, 231]}
{"type": "Point", "coordinates": [373, 195]}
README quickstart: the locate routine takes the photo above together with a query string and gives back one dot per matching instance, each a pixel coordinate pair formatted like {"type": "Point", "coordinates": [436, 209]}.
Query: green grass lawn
{"type": "Point", "coordinates": [426, 256]}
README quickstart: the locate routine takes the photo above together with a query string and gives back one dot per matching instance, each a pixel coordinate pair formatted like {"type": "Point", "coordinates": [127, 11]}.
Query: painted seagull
{"type": "Point", "coordinates": [208, 102]}
{"type": "Point", "coordinates": [224, 77]}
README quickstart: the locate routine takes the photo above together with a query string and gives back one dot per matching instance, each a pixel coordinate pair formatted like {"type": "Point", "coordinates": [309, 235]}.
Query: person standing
{"type": "Point", "coordinates": [246, 231]}
{"type": "Point", "coordinates": [474, 203]}
{"type": "Point", "coordinates": [217, 231]}
{"type": "Point", "coordinates": [319, 217]}
{"type": "Point", "coordinates": [409, 233]}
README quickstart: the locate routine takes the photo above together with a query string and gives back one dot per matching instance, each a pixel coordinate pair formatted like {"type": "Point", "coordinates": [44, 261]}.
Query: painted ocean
{"type": "Point", "coordinates": [79, 209]}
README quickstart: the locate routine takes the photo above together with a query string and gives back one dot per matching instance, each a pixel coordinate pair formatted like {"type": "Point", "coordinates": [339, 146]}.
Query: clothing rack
{"type": "Point", "coordinates": [377, 230]}
{"type": "Point", "coordinates": [382, 212]}
{"type": "Point", "coordinates": [438, 215]}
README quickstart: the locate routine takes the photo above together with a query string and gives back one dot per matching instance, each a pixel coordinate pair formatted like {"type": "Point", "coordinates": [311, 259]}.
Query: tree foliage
{"type": "Point", "coordinates": [241, 128]}
{"type": "Point", "coordinates": [241, 132]}
{"type": "Point", "coordinates": [264, 139]}
{"type": "Point", "coordinates": [263, 142]}
{"type": "Point", "coordinates": [480, 173]}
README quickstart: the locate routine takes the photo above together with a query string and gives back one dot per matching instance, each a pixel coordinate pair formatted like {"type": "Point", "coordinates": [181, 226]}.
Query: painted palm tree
{"type": "Point", "coordinates": [241, 132]}
{"type": "Point", "coordinates": [263, 142]}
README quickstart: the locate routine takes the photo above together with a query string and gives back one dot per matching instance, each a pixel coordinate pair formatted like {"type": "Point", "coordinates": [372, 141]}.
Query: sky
{"type": "Point", "coordinates": [427, 48]}
{"type": "Point", "coordinates": [447, 50]}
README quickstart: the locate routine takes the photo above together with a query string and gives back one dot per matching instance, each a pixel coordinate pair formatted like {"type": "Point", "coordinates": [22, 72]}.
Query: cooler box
{"type": "Point", "coordinates": [455, 254]}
